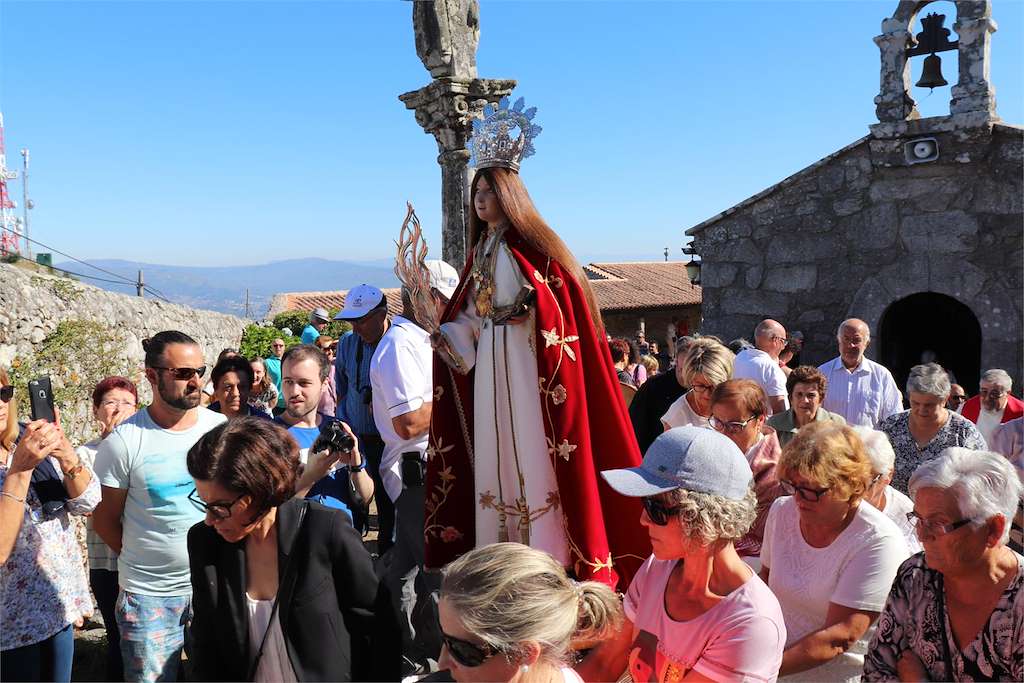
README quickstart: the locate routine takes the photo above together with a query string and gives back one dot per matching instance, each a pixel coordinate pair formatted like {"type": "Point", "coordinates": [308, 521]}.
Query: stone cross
{"type": "Point", "coordinates": [447, 32]}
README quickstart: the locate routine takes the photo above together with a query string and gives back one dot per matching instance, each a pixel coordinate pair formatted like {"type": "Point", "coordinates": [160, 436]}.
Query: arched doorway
{"type": "Point", "coordinates": [927, 324]}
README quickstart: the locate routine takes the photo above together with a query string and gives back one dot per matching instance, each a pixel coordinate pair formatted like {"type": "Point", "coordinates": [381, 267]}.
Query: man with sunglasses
{"type": "Point", "coordinates": [761, 364]}
{"type": "Point", "coordinates": [145, 514]}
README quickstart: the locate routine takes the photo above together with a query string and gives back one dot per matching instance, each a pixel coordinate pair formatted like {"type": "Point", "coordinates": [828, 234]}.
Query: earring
{"type": "Point", "coordinates": [524, 668]}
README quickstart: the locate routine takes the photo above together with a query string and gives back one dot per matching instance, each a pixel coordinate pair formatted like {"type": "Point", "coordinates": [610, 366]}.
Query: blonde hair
{"type": "Point", "coordinates": [9, 431]}
{"type": "Point", "coordinates": [830, 455]}
{"type": "Point", "coordinates": [707, 356]}
{"type": "Point", "coordinates": [509, 594]}
{"type": "Point", "coordinates": [651, 363]}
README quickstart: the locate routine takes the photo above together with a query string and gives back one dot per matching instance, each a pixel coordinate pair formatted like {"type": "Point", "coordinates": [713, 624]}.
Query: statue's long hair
{"type": "Point", "coordinates": [523, 215]}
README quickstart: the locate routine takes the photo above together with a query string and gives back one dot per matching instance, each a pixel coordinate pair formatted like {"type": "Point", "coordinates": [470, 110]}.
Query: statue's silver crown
{"type": "Point", "coordinates": [504, 137]}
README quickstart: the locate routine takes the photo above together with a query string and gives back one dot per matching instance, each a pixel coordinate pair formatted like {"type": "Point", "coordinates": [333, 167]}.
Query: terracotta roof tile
{"type": "Point", "coordinates": [648, 284]}
{"type": "Point", "coordinates": [617, 286]}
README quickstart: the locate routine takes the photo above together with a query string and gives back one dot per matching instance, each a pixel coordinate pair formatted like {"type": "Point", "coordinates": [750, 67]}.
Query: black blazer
{"type": "Point", "coordinates": [337, 622]}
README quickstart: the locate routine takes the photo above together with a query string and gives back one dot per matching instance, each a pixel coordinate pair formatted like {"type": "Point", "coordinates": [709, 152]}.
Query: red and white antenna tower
{"type": "Point", "coordinates": [9, 235]}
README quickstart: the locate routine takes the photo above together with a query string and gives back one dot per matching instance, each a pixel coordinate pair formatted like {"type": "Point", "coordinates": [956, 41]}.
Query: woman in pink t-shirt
{"type": "Point", "coordinates": [695, 611]}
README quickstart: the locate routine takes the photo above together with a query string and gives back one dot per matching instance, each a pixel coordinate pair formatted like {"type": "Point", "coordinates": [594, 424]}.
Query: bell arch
{"type": "Point", "coordinates": [973, 96]}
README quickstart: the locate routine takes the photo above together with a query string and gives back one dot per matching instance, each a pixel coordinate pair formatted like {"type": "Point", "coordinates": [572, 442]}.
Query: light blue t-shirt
{"type": "Point", "coordinates": [309, 334]}
{"type": "Point", "coordinates": [149, 461]}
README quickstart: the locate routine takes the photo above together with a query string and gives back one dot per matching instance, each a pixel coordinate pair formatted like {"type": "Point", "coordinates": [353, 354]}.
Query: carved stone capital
{"type": "Point", "coordinates": [446, 108]}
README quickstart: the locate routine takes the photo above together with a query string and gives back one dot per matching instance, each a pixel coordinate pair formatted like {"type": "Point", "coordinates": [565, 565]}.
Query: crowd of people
{"type": "Point", "coordinates": [747, 517]}
{"type": "Point", "coordinates": [784, 543]}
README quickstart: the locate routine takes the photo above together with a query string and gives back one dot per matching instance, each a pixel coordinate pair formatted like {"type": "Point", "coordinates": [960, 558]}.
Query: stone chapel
{"type": "Point", "coordinates": [916, 228]}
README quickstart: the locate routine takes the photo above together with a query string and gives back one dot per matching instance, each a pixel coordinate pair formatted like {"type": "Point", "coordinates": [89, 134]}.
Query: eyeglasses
{"type": "Point", "coordinates": [467, 653]}
{"type": "Point", "coordinates": [780, 339]}
{"type": "Point", "coordinates": [46, 511]}
{"type": "Point", "coordinates": [807, 493]}
{"type": "Point", "coordinates": [702, 388]}
{"type": "Point", "coordinates": [991, 393]}
{"type": "Point", "coordinates": [218, 510]}
{"type": "Point", "coordinates": [959, 398]}
{"type": "Point", "coordinates": [113, 403]}
{"type": "Point", "coordinates": [923, 526]}
{"type": "Point", "coordinates": [6, 394]}
{"type": "Point", "coordinates": [657, 511]}
{"type": "Point", "coordinates": [730, 427]}
{"type": "Point", "coordinates": [184, 374]}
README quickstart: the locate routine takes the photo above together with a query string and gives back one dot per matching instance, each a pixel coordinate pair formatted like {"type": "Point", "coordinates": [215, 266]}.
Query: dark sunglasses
{"type": "Point", "coordinates": [467, 653]}
{"type": "Point", "coordinates": [218, 510]}
{"type": "Point", "coordinates": [657, 511]}
{"type": "Point", "coordinates": [6, 394]}
{"type": "Point", "coordinates": [183, 374]}
{"type": "Point", "coordinates": [808, 494]}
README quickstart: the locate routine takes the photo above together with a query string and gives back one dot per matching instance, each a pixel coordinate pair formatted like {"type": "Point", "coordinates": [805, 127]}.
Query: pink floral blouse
{"type": "Point", "coordinates": [43, 583]}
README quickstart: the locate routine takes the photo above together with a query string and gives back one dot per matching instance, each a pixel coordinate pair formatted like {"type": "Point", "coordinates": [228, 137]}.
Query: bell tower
{"type": "Point", "coordinates": [973, 101]}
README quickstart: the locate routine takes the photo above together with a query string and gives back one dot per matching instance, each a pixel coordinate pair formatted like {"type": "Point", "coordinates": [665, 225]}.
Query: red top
{"type": "Point", "coordinates": [1014, 409]}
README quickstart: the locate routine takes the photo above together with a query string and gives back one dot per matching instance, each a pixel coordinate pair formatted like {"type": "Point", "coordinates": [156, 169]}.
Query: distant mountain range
{"type": "Point", "coordinates": [222, 288]}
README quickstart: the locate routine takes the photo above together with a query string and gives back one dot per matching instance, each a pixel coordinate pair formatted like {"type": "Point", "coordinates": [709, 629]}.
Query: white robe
{"type": "Point", "coordinates": [513, 469]}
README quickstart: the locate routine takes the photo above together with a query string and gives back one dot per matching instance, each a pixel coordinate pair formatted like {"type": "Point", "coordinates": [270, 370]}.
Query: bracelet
{"type": "Point", "coordinates": [12, 497]}
{"type": "Point", "coordinates": [357, 468]}
{"type": "Point", "coordinates": [74, 471]}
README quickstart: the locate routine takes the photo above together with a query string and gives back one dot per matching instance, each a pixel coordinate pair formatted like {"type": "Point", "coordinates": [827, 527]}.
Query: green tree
{"type": "Point", "coordinates": [256, 340]}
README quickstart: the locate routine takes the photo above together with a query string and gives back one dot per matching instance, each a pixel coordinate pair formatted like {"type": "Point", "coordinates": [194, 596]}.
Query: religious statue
{"type": "Point", "coordinates": [447, 32]}
{"type": "Point", "coordinates": [527, 410]}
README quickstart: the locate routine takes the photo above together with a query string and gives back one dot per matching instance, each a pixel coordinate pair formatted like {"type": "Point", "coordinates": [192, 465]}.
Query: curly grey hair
{"type": "Point", "coordinates": [714, 520]}
{"type": "Point", "coordinates": [928, 378]}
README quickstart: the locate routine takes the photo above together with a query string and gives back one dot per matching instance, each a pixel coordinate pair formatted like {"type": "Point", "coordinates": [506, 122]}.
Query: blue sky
{"type": "Point", "coordinates": [206, 133]}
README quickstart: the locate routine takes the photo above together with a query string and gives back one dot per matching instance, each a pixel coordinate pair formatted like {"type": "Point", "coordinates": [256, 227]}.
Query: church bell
{"type": "Point", "coordinates": [931, 74]}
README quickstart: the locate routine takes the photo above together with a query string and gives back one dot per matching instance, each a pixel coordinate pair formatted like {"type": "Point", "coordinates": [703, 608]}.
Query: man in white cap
{"type": "Point", "coordinates": [318, 320]}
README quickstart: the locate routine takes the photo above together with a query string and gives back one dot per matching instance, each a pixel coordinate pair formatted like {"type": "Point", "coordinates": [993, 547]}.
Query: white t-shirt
{"type": "Point", "coordinates": [680, 414]}
{"type": "Point", "coordinates": [759, 366]}
{"type": "Point", "coordinates": [739, 639]}
{"type": "Point", "coordinates": [274, 662]}
{"type": "Point", "coordinates": [897, 505]}
{"type": "Point", "coordinates": [856, 570]}
{"type": "Point", "coordinates": [149, 461]}
{"type": "Point", "coordinates": [987, 422]}
{"type": "Point", "coordinates": [401, 374]}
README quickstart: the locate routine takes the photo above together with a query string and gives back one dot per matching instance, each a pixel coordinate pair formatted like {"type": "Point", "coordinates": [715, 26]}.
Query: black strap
{"type": "Point", "coordinates": [947, 660]}
{"type": "Point", "coordinates": [280, 586]}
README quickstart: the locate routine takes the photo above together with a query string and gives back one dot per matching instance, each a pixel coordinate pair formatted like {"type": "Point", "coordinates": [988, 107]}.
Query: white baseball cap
{"type": "Point", "coordinates": [443, 277]}
{"type": "Point", "coordinates": [359, 301]}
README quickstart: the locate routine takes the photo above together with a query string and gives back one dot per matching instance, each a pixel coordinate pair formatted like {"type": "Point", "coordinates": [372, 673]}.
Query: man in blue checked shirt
{"type": "Point", "coordinates": [366, 308]}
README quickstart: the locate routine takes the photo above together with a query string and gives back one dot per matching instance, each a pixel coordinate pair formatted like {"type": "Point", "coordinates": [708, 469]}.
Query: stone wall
{"type": "Point", "coordinates": [862, 229]}
{"type": "Point", "coordinates": [85, 330]}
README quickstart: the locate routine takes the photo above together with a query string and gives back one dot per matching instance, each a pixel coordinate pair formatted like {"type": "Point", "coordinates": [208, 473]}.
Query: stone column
{"type": "Point", "coordinates": [446, 109]}
{"type": "Point", "coordinates": [447, 32]}
{"type": "Point", "coordinates": [894, 102]}
{"type": "Point", "coordinates": [974, 93]}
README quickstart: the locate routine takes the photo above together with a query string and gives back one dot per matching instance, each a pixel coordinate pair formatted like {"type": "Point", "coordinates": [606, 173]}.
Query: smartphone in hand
{"type": "Point", "coordinates": [40, 392]}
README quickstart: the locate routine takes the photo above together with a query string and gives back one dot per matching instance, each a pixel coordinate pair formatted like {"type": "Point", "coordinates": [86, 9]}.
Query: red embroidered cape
{"type": "Point", "coordinates": [585, 422]}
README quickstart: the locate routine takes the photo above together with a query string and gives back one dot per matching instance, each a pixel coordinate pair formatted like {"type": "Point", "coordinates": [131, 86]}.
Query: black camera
{"type": "Point", "coordinates": [366, 394]}
{"type": "Point", "coordinates": [333, 437]}
{"type": "Point", "coordinates": [413, 470]}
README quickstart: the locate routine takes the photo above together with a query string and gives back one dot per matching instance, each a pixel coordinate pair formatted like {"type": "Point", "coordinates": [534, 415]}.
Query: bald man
{"type": "Point", "coordinates": [761, 364]}
{"type": "Point", "coordinates": [859, 389]}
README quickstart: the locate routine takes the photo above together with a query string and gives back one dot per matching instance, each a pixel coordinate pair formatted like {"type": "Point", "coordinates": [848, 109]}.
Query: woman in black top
{"type": "Point", "coordinates": [282, 587]}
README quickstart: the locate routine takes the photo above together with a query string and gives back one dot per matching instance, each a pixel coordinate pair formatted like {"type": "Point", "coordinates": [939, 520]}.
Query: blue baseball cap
{"type": "Point", "coordinates": [690, 458]}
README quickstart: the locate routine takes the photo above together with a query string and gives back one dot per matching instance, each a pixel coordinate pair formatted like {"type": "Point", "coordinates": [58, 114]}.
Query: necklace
{"type": "Point", "coordinates": [484, 257]}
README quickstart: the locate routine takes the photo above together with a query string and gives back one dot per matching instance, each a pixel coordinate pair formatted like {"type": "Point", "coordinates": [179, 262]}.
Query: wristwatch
{"type": "Point", "coordinates": [357, 468]}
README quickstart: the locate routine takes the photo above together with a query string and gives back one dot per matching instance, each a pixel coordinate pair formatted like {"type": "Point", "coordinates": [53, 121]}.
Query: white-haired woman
{"type": "Point", "coordinates": [956, 611]}
{"type": "Point", "coordinates": [928, 428]}
{"type": "Point", "coordinates": [706, 364]}
{"type": "Point", "coordinates": [894, 504]}
{"type": "Point", "coordinates": [695, 610]}
{"type": "Point", "coordinates": [508, 612]}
